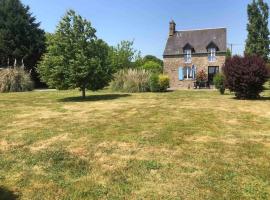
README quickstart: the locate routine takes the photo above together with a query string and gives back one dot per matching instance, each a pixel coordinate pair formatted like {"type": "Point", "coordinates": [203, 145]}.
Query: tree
{"type": "Point", "coordinates": [152, 58]}
{"type": "Point", "coordinates": [152, 66]}
{"type": "Point", "coordinates": [124, 56]}
{"type": "Point", "coordinates": [258, 33]}
{"type": "Point", "coordinates": [245, 76]}
{"type": "Point", "coordinates": [20, 36]}
{"type": "Point", "coordinates": [75, 58]}
{"type": "Point", "coordinates": [228, 53]}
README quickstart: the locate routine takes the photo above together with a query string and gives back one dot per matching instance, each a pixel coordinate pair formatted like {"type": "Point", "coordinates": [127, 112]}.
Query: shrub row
{"type": "Point", "coordinates": [139, 80]}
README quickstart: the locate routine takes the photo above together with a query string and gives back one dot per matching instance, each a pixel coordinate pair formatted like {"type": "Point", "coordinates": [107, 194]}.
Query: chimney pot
{"type": "Point", "coordinates": [172, 28]}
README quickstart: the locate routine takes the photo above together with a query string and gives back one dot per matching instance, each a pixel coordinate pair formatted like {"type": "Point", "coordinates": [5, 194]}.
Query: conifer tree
{"type": "Point", "coordinates": [258, 33]}
{"type": "Point", "coordinates": [20, 36]}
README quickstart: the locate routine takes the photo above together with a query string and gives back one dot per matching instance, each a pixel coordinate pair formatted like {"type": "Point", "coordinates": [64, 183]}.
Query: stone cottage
{"type": "Point", "coordinates": [189, 51]}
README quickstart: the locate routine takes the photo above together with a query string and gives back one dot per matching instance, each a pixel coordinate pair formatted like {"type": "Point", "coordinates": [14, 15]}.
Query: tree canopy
{"type": "Point", "coordinates": [152, 58]}
{"type": "Point", "coordinates": [75, 57]}
{"type": "Point", "coordinates": [20, 36]}
{"type": "Point", "coordinates": [124, 56]}
{"type": "Point", "coordinates": [258, 33]}
{"type": "Point", "coordinates": [152, 66]}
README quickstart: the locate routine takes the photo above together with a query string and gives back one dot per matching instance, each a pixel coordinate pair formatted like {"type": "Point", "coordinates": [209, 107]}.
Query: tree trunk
{"type": "Point", "coordinates": [83, 93]}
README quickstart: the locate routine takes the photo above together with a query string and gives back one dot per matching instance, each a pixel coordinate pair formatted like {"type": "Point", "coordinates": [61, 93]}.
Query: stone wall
{"type": "Point", "coordinates": [172, 64]}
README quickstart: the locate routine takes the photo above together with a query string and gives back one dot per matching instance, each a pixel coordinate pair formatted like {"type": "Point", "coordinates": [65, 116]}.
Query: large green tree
{"type": "Point", "coordinates": [258, 33]}
{"type": "Point", "coordinates": [75, 57]}
{"type": "Point", "coordinates": [20, 36]}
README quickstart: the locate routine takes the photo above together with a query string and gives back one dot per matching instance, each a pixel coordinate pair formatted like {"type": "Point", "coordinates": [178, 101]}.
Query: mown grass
{"type": "Point", "coordinates": [175, 145]}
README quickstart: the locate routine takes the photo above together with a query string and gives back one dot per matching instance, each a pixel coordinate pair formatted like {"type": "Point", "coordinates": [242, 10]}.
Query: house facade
{"type": "Point", "coordinates": [190, 51]}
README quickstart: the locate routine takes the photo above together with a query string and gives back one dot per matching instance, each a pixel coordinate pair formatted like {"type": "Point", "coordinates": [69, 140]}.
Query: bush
{"type": "Point", "coordinates": [154, 83]}
{"type": "Point", "coordinates": [139, 80]}
{"type": "Point", "coordinates": [201, 76]}
{"type": "Point", "coordinates": [268, 69]}
{"type": "Point", "coordinates": [15, 80]}
{"type": "Point", "coordinates": [164, 82]}
{"type": "Point", "coordinates": [245, 76]}
{"type": "Point", "coordinates": [159, 83]}
{"type": "Point", "coordinates": [119, 80]}
{"type": "Point", "coordinates": [131, 80]}
{"type": "Point", "coordinates": [219, 82]}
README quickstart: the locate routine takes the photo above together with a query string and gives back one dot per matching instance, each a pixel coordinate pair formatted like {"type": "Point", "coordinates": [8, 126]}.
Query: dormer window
{"type": "Point", "coordinates": [188, 50]}
{"type": "Point", "coordinates": [187, 55]}
{"type": "Point", "coordinates": [212, 54]}
{"type": "Point", "coordinates": [212, 48]}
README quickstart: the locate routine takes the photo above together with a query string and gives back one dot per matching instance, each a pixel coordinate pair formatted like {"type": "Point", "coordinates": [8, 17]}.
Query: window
{"type": "Point", "coordinates": [188, 73]}
{"type": "Point", "coordinates": [187, 53]}
{"type": "Point", "coordinates": [211, 54]}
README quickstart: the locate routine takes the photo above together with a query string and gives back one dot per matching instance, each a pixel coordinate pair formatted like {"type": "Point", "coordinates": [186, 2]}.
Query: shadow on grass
{"type": "Point", "coordinates": [7, 195]}
{"type": "Point", "coordinates": [258, 99]}
{"type": "Point", "coordinates": [102, 97]}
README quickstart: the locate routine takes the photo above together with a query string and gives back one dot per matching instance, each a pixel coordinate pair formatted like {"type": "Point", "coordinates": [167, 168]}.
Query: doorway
{"type": "Point", "coordinates": [212, 71]}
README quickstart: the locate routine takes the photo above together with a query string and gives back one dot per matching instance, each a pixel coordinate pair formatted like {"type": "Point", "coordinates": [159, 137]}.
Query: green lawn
{"type": "Point", "coordinates": [175, 145]}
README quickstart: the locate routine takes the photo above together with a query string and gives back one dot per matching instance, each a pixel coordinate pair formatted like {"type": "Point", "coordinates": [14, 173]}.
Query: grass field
{"type": "Point", "coordinates": [175, 145]}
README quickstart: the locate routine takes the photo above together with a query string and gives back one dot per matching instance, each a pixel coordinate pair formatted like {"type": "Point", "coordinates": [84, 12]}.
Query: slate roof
{"type": "Point", "coordinates": [198, 39]}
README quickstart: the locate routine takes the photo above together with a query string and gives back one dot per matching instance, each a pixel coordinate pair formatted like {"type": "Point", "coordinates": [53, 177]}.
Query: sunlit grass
{"type": "Point", "coordinates": [175, 145]}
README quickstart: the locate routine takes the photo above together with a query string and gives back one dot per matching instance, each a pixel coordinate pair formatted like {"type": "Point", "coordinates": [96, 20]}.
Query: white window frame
{"type": "Point", "coordinates": [212, 54]}
{"type": "Point", "coordinates": [188, 74]}
{"type": "Point", "coordinates": [188, 55]}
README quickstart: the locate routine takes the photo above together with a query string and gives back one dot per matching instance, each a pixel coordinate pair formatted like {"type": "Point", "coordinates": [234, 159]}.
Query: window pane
{"type": "Point", "coordinates": [187, 55]}
{"type": "Point", "coordinates": [189, 72]}
{"type": "Point", "coordinates": [185, 72]}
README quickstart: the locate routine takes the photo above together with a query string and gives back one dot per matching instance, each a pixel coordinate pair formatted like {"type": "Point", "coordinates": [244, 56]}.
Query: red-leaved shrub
{"type": "Point", "coordinates": [245, 76]}
{"type": "Point", "coordinates": [268, 69]}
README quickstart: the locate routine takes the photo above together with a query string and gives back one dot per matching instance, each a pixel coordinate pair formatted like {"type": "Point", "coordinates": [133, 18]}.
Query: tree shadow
{"type": "Point", "coordinates": [5, 194]}
{"type": "Point", "coordinates": [103, 97]}
{"type": "Point", "coordinates": [258, 99]}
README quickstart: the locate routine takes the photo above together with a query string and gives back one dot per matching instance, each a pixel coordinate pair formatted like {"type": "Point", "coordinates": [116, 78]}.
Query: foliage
{"type": "Point", "coordinates": [268, 69]}
{"type": "Point", "coordinates": [258, 33]}
{"type": "Point", "coordinates": [131, 80]}
{"type": "Point", "coordinates": [245, 76]}
{"type": "Point", "coordinates": [152, 66]}
{"type": "Point", "coordinates": [219, 82]}
{"type": "Point", "coordinates": [20, 36]}
{"type": "Point", "coordinates": [118, 80]}
{"type": "Point", "coordinates": [154, 83]}
{"type": "Point", "coordinates": [201, 76]}
{"type": "Point", "coordinates": [152, 58]}
{"type": "Point", "coordinates": [124, 56]}
{"type": "Point", "coordinates": [75, 58]}
{"type": "Point", "coordinates": [228, 53]}
{"type": "Point", "coordinates": [164, 82]}
{"type": "Point", "coordinates": [159, 83]}
{"type": "Point", "coordinates": [15, 80]}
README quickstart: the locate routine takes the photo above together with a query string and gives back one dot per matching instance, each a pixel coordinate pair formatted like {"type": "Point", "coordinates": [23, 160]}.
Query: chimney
{"type": "Point", "coordinates": [172, 28]}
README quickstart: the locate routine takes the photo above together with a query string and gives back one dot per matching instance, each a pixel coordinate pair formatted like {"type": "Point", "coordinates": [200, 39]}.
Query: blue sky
{"type": "Point", "coordinates": [147, 21]}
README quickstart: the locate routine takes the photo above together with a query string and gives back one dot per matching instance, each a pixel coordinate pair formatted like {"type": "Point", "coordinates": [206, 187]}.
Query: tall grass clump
{"type": "Point", "coordinates": [15, 80]}
{"type": "Point", "coordinates": [131, 80]}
